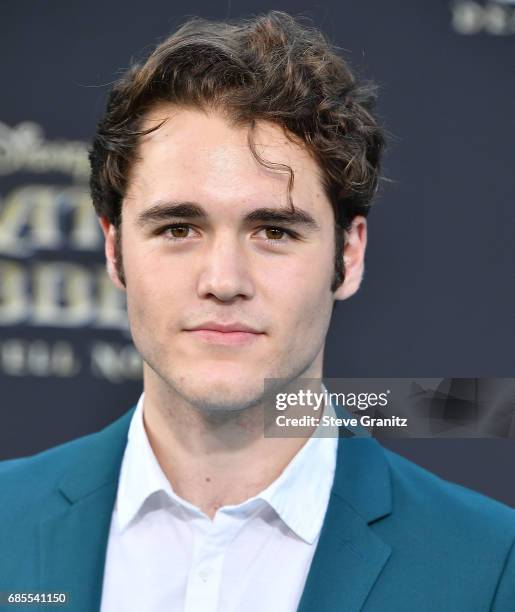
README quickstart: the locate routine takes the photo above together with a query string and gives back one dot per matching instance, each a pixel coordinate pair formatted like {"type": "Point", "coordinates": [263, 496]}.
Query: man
{"type": "Point", "coordinates": [232, 174]}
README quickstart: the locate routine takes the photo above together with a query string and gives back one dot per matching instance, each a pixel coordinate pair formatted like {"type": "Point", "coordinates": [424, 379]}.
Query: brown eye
{"type": "Point", "coordinates": [179, 231]}
{"type": "Point", "coordinates": [274, 233]}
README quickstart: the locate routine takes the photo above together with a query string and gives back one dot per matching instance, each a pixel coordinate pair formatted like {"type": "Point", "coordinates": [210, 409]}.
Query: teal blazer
{"type": "Point", "coordinates": [395, 537]}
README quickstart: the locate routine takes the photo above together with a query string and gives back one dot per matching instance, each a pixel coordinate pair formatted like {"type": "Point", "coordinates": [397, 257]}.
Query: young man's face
{"type": "Point", "coordinates": [221, 294]}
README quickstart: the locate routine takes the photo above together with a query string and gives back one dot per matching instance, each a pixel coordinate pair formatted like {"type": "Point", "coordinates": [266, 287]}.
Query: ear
{"type": "Point", "coordinates": [354, 258]}
{"type": "Point", "coordinates": [109, 232]}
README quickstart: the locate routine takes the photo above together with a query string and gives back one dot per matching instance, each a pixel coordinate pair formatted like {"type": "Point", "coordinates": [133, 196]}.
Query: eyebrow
{"type": "Point", "coordinates": [163, 211]}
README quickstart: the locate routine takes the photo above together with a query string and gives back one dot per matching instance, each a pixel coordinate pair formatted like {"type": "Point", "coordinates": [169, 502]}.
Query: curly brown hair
{"type": "Point", "coordinates": [272, 67]}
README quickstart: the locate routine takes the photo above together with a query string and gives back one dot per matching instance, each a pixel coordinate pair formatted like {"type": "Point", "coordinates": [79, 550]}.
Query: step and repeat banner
{"type": "Point", "coordinates": [438, 298]}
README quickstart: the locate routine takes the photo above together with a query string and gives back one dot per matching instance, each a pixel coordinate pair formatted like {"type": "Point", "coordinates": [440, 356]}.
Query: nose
{"type": "Point", "coordinates": [225, 273]}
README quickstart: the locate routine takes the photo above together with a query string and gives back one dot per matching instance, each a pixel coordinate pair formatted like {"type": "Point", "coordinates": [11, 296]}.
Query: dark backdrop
{"type": "Point", "coordinates": [438, 298]}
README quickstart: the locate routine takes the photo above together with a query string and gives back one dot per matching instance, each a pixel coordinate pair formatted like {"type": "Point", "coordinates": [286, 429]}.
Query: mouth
{"type": "Point", "coordinates": [227, 334]}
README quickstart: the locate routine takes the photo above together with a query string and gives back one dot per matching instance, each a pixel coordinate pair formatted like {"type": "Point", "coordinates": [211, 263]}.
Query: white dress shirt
{"type": "Point", "coordinates": [164, 554]}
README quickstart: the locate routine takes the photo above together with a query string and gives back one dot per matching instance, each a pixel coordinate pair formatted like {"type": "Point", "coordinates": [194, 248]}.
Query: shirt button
{"type": "Point", "coordinates": [204, 574]}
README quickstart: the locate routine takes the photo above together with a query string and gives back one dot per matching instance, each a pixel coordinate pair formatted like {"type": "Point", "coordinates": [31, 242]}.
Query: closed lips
{"type": "Point", "coordinates": [224, 328]}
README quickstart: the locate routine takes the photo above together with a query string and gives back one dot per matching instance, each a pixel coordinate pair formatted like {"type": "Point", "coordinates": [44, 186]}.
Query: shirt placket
{"type": "Point", "coordinates": [211, 541]}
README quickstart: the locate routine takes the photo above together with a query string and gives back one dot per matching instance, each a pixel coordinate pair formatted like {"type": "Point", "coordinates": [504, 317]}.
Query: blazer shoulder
{"type": "Point", "coordinates": [45, 467]}
{"type": "Point", "coordinates": [450, 504]}
{"type": "Point", "coordinates": [26, 481]}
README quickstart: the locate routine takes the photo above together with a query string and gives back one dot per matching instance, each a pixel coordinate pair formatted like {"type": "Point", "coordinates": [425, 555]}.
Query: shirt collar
{"type": "Point", "coordinates": [299, 495]}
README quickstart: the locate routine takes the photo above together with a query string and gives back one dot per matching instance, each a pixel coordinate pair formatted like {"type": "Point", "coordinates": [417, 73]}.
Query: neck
{"type": "Point", "coordinates": [213, 461]}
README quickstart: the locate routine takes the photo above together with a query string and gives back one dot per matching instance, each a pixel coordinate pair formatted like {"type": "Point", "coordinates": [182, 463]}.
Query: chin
{"type": "Point", "coordinates": [217, 394]}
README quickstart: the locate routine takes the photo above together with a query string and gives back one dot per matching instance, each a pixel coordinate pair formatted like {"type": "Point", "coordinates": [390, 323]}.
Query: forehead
{"type": "Point", "coordinates": [200, 156]}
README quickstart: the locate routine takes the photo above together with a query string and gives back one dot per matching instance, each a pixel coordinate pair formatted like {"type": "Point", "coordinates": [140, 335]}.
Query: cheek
{"type": "Point", "coordinates": [156, 290]}
{"type": "Point", "coordinates": [300, 295]}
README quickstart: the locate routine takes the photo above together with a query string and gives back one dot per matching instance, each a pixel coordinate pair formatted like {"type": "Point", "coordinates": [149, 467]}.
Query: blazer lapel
{"type": "Point", "coordinates": [350, 556]}
{"type": "Point", "coordinates": [75, 528]}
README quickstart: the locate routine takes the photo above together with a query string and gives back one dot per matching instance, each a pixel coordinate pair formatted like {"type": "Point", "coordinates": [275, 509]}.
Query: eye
{"type": "Point", "coordinates": [178, 231]}
{"type": "Point", "coordinates": [276, 234]}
